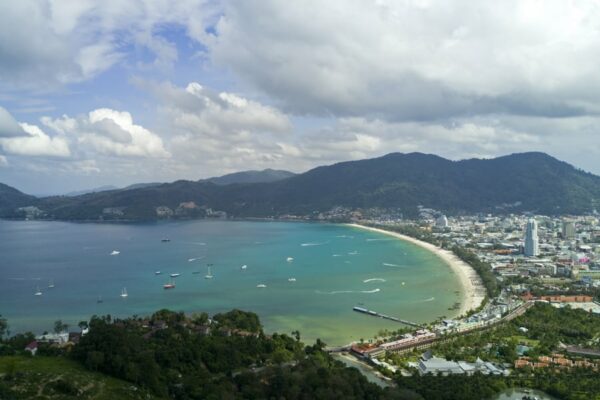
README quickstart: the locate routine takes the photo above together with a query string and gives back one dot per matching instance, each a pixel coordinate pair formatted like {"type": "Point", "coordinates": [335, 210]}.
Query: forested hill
{"type": "Point", "coordinates": [266, 175]}
{"type": "Point", "coordinates": [533, 182]}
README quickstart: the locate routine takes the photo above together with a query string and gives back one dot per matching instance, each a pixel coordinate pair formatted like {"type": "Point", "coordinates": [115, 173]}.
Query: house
{"type": "Point", "coordinates": [32, 347]}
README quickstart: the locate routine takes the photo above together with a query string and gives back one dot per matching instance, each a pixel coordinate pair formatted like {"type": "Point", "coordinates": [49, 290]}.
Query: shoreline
{"type": "Point", "coordinates": [473, 290]}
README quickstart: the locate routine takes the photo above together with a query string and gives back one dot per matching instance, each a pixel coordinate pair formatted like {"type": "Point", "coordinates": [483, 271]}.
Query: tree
{"type": "Point", "coordinates": [3, 327]}
{"type": "Point", "coordinates": [83, 325]}
{"type": "Point", "coordinates": [60, 327]}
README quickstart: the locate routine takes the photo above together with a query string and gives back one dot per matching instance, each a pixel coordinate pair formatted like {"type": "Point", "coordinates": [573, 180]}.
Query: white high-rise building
{"type": "Point", "coordinates": [441, 221]}
{"type": "Point", "coordinates": [532, 246]}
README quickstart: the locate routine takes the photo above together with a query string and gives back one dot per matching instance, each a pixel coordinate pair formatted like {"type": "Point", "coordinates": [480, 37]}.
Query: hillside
{"type": "Point", "coordinates": [533, 182]}
{"type": "Point", "coordinates": [61, 378]}
{"type": "Point", "coordinates": [266, 175]}
{"type": "Point", "coordinates": [11, 198]}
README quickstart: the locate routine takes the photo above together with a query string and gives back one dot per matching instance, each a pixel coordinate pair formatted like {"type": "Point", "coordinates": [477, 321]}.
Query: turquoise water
{"type": "Point", "coordinates": [336, 267]}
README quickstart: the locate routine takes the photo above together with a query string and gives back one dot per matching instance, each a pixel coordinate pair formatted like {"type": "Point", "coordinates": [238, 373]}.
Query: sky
{"type": "Point", "coordinates": [112, 92]}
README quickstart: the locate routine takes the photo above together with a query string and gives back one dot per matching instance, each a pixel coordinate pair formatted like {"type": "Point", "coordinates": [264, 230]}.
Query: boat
{"type": "Point", "coordinates": [175, 275]}
{"type": "Point", "coordinates": [170, 285]}
{"type": "Point", "coordinates": [244, 266]}
{"type": "Point", "coordinates": [157, 272]}
{"type": "Point", "coordinates": [99, 300]}
{"type": "Point", "coordinates": [38, 292]}
{"type": "Point", "coordinates": [208, 275]}
{"type": "Point", "coordinates": [51, 284]}
{"type": "Point", "coordinates": [124, 293]}
{"type": "Point", "coordinates": [261, 285]}
{"type": "Point", "coordinates": [164, 240]}
{"type": "Point", "coordinates": [115, 252]}
{"type": "Point", "coordinates": [290, 259]}
{"type": "Point", "coordinates": [291, 279]}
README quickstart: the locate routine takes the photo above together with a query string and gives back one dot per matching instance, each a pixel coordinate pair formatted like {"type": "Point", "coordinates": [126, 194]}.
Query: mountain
{"type": "Point", "coordinates": [533, 182]}
{"type": "Point", "coordinates": [11, 198]}
{"type": "Point", "coordinates": [266, 175]}
{"type": "Point", "coordinates": [86, 191]}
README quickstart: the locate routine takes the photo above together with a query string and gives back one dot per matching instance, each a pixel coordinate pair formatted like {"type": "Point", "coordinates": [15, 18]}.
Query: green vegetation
{"type": "Point", "coordinates": [518, 182]}
{"type": "Point", "coordinates": [170, 355]}
{"type": "Point", "coordinates": [483, 269]}
{"type": "Point", "coordinates": [25, 377]}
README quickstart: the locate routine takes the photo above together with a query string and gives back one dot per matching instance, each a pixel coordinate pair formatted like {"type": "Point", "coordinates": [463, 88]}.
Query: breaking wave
{"type": "Point", "coordinates": [374, 280]}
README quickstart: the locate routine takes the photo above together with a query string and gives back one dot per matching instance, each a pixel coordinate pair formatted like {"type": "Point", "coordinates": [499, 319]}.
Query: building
{"type": "Point", "coordinates": [532, 246]}
{"type": "Point", "coordinates": [568, 230]}
{"type": "Point", "coordinates": [429, 364]}
{"type": "Point", "coordinates": [441, 221]}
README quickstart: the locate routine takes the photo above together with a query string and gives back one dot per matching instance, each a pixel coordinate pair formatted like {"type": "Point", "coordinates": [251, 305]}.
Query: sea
{"type": "Point", "coordinates": [295, 276]}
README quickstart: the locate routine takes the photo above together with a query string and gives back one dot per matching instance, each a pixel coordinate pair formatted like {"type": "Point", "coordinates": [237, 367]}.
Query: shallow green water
{"type": "Point", "coordinates": [336, 267]}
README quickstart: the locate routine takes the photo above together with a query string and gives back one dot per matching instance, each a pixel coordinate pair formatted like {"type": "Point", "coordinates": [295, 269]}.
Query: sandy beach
{"type": "Point", "coordinates": [472, 287]}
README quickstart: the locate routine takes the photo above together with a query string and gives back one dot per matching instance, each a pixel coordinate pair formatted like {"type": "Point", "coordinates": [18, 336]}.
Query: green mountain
{"type": "Point", "coordinates": [266, 175]}
{"type": "Point", "coordinates": [533, 182]}
{"type": "Point", "coordinates": [11, 198]}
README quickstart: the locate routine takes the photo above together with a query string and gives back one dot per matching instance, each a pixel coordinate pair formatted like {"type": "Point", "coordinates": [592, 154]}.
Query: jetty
{"type": "Point", "coordinates": [384, 316]}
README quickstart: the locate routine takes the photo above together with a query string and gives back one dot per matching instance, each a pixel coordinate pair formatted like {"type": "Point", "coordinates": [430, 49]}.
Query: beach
{"type": "Point", "coordinates": [472, 286]}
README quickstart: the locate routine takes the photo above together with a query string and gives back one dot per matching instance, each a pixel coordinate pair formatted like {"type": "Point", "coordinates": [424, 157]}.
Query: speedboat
{"type": "Point", "coordinates": [290, 259]}
{"type": "Point", "coordinates": [175, 275]}
{"type": "Point", "coordinates": [244, 266]}
{"type": "Point", "coordinates": [165, 240]}
{"type": "Point", "coordinates": [115, 252]}
{"type": "Point", "coordinates": [261, 285]}
{"type": "Point", "coordinates": [291, 279]}
{"type": "Point", "coordinates": [157, 272]}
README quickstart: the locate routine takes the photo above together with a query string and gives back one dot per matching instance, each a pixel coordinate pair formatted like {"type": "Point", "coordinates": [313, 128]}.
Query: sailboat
{"type": "Point", "coordinates": [124, 293]}
{"type": "Point", "coordinates": [99, 300]}
{"type": "Point", "coordinates": [38, 292]}
{"type": "Point", "coordinates": [51, 284]}
{"type": "Point", "coordinates": [209, 274]}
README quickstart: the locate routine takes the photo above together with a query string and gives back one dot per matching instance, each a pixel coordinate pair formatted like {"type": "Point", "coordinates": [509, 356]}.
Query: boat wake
{"type": "Point", "coordinates": [345, 236]}
{"type": "Point", "coordinates": [374, 280]}
{"type": "Point", "coordinates": [336, 255]}
{"type": "Point", "coordinates": [349, 291]}
{"type": "Point", "coordinates": [425, 300]}
{"type": "Point", "coordinates": [312, 244]}
{"type": "Point", "coordinates": [195, 259]}
{"type": "Point", "coordinates": [353, 253]}
{"type": "Point", "coordinates": [378, 240]}
{"type": "Point", "coordinates": [392, 265]}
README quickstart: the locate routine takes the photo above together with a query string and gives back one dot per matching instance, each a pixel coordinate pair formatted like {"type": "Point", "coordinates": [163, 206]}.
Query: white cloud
{"type": "Point", "coordinates": [53, 42]}
{"type": "Point", "coordinates": [9, 127]}
{"type": "Point", "coordinates": [37, 143]}
{"type": "Point", "coordinates": [110, 132]}
{"type": "Point", "coordinates": [415, 60]}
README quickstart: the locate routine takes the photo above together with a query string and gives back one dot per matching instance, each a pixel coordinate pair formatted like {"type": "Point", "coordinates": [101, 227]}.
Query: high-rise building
{"type": "Point", "coordinates": [532, 246]}
{"type": "Point", "coordinates": [568, 230]}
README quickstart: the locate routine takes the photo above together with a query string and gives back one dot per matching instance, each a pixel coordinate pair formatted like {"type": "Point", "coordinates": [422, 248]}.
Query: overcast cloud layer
{"type": "Point", "coordinates": [112, 92]}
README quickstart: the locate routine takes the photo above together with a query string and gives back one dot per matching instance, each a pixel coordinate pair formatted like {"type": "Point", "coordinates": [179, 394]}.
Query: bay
{"type": "Point", "coordinates": [335, 268]}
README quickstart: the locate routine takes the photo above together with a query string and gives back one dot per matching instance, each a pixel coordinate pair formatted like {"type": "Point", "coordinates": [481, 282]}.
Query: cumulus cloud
{"type": "Point", "coordinates": [36, 143]}
{"type": "Point", "coordinates": [109, 132]}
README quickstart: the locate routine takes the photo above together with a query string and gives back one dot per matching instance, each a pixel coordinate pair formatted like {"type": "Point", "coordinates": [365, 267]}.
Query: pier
{"type": "Point", "coordinates": [384, 316]}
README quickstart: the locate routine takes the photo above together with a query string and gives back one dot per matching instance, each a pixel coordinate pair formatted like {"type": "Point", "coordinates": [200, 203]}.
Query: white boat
{"type": "Point", "coordinates": [115, 252]}
{"type": "Point", "coordinates": [290, 259]}
{"type": "Point", "coordinates": [51, 284]}
{"type": "Point", "coordinates": [291, 279]}
{"type": "Point", "coordinates": [261, 285]}
{"type": "Point", "coordinates": [175, 275]}
{"type": "Point", "coordinates": [244, 266]}
{"type": "Point", "coordinates": [124, 293]}
{"type": "Point", "coordinates": [208, 275]}
{"type": "Point", "coordinates": [38, 292]}
{"type": "Point", "coordinates": [157, 272]}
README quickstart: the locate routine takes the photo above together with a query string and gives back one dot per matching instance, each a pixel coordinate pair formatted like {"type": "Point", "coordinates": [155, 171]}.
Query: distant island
{"type": "Point", "coordinates": [396, 183]}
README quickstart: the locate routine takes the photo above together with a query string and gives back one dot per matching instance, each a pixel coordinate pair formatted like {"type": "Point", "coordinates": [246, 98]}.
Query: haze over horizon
{"type": "Point", "coordinates": [110, 93]}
